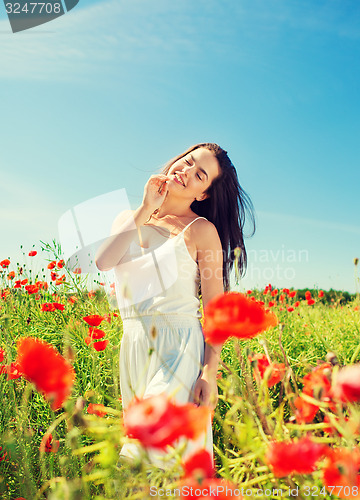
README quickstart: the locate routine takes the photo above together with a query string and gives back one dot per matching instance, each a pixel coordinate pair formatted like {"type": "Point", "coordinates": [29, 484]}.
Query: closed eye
{"type": "Point", "coordinates": [199, 176]}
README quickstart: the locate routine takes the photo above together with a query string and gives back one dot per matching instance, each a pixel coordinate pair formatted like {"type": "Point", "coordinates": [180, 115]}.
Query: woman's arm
{"type": "Point", "coordinates": [211, 272]}
{"type": "Point", "coordinates": [123, 229]}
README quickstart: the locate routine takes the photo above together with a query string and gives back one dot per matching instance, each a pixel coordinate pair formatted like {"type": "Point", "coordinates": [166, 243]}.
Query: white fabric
{"type": "Point", "coordinates": [162, 348]}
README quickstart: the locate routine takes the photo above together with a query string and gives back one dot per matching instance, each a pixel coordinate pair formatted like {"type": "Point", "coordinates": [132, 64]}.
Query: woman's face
{"type": "Point", "coordinates": [192, 174]}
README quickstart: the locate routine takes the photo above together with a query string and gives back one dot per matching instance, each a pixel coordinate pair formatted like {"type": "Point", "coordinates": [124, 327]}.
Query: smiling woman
{"type": "Point", "coordinates": [180, 241]}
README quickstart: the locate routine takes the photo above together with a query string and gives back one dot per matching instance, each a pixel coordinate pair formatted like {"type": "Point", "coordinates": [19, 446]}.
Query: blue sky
{"type": "Point", "coordinates": [100, 98]}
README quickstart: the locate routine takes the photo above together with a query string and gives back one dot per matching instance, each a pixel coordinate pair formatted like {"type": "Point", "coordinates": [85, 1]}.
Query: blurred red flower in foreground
{"type": "Point", "coordinates": [234, 314]}
{"type": "Point", "coordinates": [294, 457]}
{"type": "Point", "coordinates": [199, 465]}
{"type": "Point", "coordinates": [276, 373]}
{"type": "Point", "coordinates": [48, 445]}
{"type": "Point", "coordinates": [41, 364]}
{"type": "Point", "coordinates": [94, 319]}
{"type": "Point", "coordinates": [347, 383]}
{"type": "Point", "coordinates": [341, 472]}
{"type": "Point", "coordinates": [318, 386]}
{"type": "Point", "coordinates": [97, 409]}
{"type": "Point", "coordinates": [2, 354]}
{"type": "Point", "coordinates": [157, 422]}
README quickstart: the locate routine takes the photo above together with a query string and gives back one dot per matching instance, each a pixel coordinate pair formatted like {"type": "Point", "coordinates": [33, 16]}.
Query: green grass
{"type": "Point", "coordinates": [247, 418]}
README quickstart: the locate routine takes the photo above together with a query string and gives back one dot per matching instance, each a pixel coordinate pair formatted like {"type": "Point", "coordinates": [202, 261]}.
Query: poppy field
{"type": "Point", "coordinates": [287, 423]}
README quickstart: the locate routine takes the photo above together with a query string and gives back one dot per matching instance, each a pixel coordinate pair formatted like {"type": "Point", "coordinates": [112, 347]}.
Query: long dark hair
{"type": "Point", "coordinates": [226, 207]}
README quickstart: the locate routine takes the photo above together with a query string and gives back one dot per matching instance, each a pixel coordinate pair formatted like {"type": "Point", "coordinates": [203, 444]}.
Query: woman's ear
{"type": "Point", "coordinates": [202, 197]}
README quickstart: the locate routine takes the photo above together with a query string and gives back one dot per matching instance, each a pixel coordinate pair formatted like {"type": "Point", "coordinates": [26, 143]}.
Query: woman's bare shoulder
{"type": "Point", "coordinates": [205, 233]}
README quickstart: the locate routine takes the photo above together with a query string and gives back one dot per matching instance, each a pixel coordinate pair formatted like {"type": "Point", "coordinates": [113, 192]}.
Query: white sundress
{"type": "Point", "coordinates": [162, 347]}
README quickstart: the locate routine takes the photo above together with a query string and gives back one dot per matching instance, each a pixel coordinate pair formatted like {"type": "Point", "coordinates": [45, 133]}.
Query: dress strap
{"type": "Point", "coordinates": [197, 218]}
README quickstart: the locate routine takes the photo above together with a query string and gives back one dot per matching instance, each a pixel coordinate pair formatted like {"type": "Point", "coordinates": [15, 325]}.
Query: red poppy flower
{"type": "Point", "coordinates": [307, 295]}
{"type": "Point", "coordinates": [286, 290]}
{"type": "Point", "coordinates": [347, 383]}
{"type": "Point", "coordinates": [262, 364]}
{"type": "Point", "coordinates": [77, 270]}
{"type": "Point", "coordinates": [274, 292]}
{"type": "Point", "coordinates": [51, 265]}
{"type": "Point", "coordinates": [100, 345]}
{"type": "Point", "coordinates": [318, 386]}
{"type": "Point", "coordinates": [5, 293]}
{"type": "Point", "coordinates": [341, 472]}
{"type": "Point", "coordinates": [294, 457]}
{"type": "Point", "coordinates": [272, 304]}
{"type": "Point", "coordinates": [2, 355]}
{"type": "Point", "coordinates": [234, 314]}
{"type": "Point", "coordinates": [296, 304]}
{"type": "Point", "coordinates": [321, 294]}
{"type": "Point", "coordinates": [72, 299]}
{"type": "Point", "coordinates": [5, 263]}
{"type": "Point", "coordinates": [306, 412]}
{"type": "Point", "coordinates": [32, 289]}
{"type": "Point", "coordinates": [107, 318]}
{"type": "Point", "coordinates": [60, 264]}
{"type": "Point", "coordinates": [54, 275]}
{"type": "Point", "coordinates": [32, 253]}
{"type": "Point", "coordinates": [97, 409]}
{"type": "Point", "coordinates": [59, 306]}
{"type": "Point", "coordinates": [60, 280]}
{"type": "Point", "coordinates": [13, 371]}
{"type": "Point", "coordinates": [91, 294]}
{"type": "Point", "coordinates": [158, 422]}
{"type": "Point", "coordinates": [42, 284]}
{"type": "Point", "coordinates": [48, 444]}
{"type": "Point", "coordinates": [311, 302]}
{"type": "Point", "coordinates": [96, 333]}
{"type": "Point", "coordinates": [290, 309]}
{"type": "Point", "coordinates": [199, 465]}
{"type": "Point", "coordinates": [249, 292]}
{"type": "Point", "coordinates": [17, 284]}
{"type": "Point", "coordinates": [47, 307]}
{"type": "Point", "coordinates": [11, 275]}
{"type": "Point", "coordinates": [46, 368]}
{"type": "Point", "coordinates": [292, 294]}
{"type": "Point", "coordinates": [282, 297]}
{"type": "Point", "coordinates": [93, 320]}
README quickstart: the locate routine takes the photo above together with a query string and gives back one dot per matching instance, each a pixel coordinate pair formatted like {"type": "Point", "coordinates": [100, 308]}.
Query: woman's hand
{"type": "Point", "coordinates": [155, 191]}
{"type": "Point", "coordinates": [205, 390]}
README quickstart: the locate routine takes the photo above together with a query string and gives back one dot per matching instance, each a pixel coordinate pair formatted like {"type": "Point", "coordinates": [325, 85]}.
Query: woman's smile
{"type": "Point", "coordinates": [179, 179]}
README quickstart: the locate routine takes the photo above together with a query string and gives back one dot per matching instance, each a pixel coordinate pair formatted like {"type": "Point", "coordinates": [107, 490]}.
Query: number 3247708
{"type": "Point", "coordinates": [344, 491]}
{"type": "Point", "coordinates": [33, 8]}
